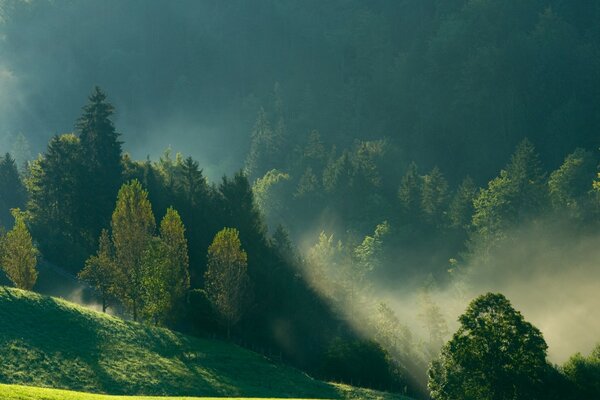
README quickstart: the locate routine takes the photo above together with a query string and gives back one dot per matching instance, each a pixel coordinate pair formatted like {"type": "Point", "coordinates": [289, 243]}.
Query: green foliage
{"type": "Point", "coordinates": [495, 354]}
{"type": "Point", "coordinates": [267, 145]}
{"type": "Point", "coordinates": [132, 229]}
{"type": "Point", "coordinates": [100, 270]}
{"type": "Point", "coordinates": [175, 276]}
{"type": "Point", "coordinates": [267, 196]}
{"type": "Point", "coordinates": [227, 282]}
{"type": "Point", "coordinates": [156, 291]}
{"type": "Point", "coordinates": [460, 211]}
{"type": "Point", "coordinates": [55, 206]}
{"type": "Point", "coordinates": [570, 184]}
{"type": "Point", "coordinates": [368, 255]}
{"type": "Point", "coordinates": [12, 191]}
{"type": "Point", "coordinates": [584, 373]}
{"type": "Point", "coordinates": [359, 362]}
{"type": "Point", "coordinates": [18, 254]}
{"type": "Point", "coordinates": [516, 195]}
{"type": "Point", "coordinates": [101, 163]}
{"type": "Point", "coordinates": [434, 196]}
{"type": "Point", "coordinates": [409, 192]}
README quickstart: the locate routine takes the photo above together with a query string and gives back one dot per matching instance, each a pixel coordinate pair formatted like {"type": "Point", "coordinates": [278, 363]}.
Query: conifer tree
{"type": "Point", "coordinates": [101, 156]}
{"type": "Point", "coordinates": [12, 191]}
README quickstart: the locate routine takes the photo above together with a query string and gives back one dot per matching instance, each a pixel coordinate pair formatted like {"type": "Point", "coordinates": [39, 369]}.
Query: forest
{"type": "Point", "coordinates": [398, 195]}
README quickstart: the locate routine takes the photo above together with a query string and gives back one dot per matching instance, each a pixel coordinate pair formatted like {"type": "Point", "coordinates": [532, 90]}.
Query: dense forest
{"type": "Point", "coordinates": [329, 183]}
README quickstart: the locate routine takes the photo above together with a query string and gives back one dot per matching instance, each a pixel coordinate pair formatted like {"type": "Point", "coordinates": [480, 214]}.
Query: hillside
{"type": "Point", "coordinates": [49, 342]}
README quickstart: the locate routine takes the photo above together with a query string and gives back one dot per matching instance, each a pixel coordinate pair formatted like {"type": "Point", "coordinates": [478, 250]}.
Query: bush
{"type": "Point", "coordinates": [360, 363]}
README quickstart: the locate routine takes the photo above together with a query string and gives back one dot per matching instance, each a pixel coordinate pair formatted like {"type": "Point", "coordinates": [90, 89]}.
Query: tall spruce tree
{"type": "Point", "coordinates": [101, 156]}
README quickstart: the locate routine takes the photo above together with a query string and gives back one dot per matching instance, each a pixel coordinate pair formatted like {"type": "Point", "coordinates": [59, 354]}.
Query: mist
{"type": "Point", "coordinates": [549, 270]}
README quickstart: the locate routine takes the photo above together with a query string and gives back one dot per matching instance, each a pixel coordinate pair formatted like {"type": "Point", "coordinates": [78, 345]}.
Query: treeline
{"type": "Point", "coordinates": [208, 268]}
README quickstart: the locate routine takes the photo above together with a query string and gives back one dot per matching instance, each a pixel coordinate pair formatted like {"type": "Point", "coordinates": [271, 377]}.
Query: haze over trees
{"type": "Point", "coordinates": [347, 164]}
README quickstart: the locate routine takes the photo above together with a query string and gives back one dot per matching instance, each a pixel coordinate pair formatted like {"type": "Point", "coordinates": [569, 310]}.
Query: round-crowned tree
{"type": "Point", "coordinates": [494, 355]}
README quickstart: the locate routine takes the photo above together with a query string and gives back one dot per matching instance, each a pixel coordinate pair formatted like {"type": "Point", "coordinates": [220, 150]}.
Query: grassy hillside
{"type": "Point", "coordinates": [49, 342]}
{"type": "Point", "coordinates": [18, 392]}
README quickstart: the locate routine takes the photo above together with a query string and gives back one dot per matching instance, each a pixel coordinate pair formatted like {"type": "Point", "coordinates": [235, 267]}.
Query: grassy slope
{"type": "Point", "coordinates": [18, 392]}
{"type": "Point", "coordinates": [49, 342]}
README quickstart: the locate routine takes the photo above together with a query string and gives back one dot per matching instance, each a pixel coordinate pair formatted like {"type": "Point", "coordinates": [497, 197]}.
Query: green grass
{"type": "Point", "coordinates": [51, 343]}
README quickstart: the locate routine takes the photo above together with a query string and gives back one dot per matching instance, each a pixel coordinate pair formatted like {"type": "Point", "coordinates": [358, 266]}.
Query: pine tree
{"type": "Point", "coordinates": [101, 156]}
{"type": "Point", "coordinates": [132, 225]}
{"type": "Point", "coordinates": [18, 255]}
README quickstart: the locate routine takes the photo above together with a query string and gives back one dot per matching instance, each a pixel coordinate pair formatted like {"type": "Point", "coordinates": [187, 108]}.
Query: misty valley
{"type": "Point", "coordinates": [341, 199]}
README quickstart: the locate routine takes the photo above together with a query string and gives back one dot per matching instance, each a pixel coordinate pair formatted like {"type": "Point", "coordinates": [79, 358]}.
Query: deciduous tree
{"type": "Point", "coordinates": [227, 282]}
{"type": "Point", "coordinates": [18, 254]}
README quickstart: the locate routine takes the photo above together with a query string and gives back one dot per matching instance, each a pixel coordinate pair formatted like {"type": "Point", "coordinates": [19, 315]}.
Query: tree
{"type": "Point", "coordinates": [155, 290]}
{"type": "Point", "coordinates": [460, 211]}
{"type": "Point", "coordinates": [100, 270]}
{"type": "Point", "coordinates": [409, 192]}
{"type": "Point", "coordinates": [101, 157]}
{"type": "Point", "coordinates": [268, 194]}
{"type": "Point", "coordinates": [133, 225]}
{"type": "Point", "coordinates": [12, 191]}
{"type": "Point", "coordinates": [55, 207]}
{"type": "Point", "coordinates": [18, 254]}
{"type": "Point", "coordinates": [227, 282]}
{"type": "Point", "coordinates": [494, 355]}
{"type": "Point", "coordinates": [584, 373]}
{"type": "Point", "coordinates": [434, 193]}
{"type": "Point", "coordinates": [570, 184]}
{"type": "Point", "coordinates": [517, 194]}
{"type": "Point", "coordinates": [176, 276]}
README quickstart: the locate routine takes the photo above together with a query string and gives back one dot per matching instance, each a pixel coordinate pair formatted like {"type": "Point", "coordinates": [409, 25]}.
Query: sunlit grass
{"type": "Point", "coordinates": [48, 342]}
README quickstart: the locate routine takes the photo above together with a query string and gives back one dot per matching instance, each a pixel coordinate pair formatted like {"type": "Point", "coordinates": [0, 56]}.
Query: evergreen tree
{"type": "Point", "coordinates": [55, 204]}
{"type": "Point", "coordinates": [18, 255]}
{"type": "Point", "coordinates": [12, 191]}
{"type": "Point", "coordinates": [571, 183]}
{"type": "Point", "coordinates": [460, 211]}
{"type": "Point", "coordinates": [101, 156]}
{"type": "Point", "coordinates": [517, 194]}
{"type": "Point", "coordinates": [132, 225]}
{"type": "Point", "coordinates": [409, 192]}
{"type": "Point", "coordinates": [434, 194]}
